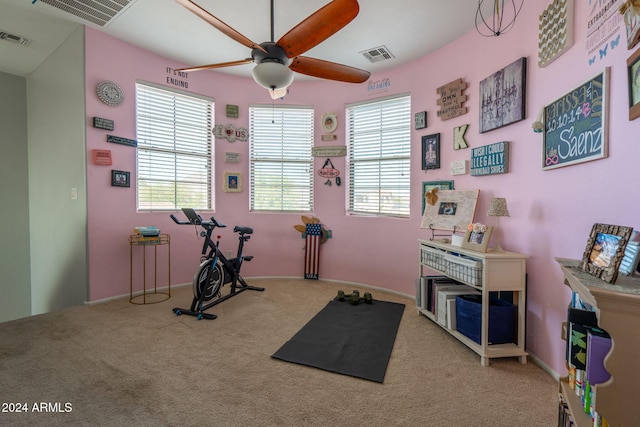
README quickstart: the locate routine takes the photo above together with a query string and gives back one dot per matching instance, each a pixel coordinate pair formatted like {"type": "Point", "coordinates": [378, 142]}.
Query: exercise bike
{"type": "Point", "coordinates": [215, 269]}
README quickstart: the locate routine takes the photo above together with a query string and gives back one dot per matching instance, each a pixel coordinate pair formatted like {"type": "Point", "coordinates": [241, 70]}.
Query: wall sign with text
{"type": "Point", "coordinates": [230, 132]}
{"type": "Point", "coordinates": [576, 125]}
{"type": "Point", "coordinates": [451, 99]}
{"type": "Point", "coordinates": [490, 159]}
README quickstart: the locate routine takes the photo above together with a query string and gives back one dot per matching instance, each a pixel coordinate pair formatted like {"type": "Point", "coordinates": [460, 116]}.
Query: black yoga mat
{"type": "Point", "coordinates": [348, 339]}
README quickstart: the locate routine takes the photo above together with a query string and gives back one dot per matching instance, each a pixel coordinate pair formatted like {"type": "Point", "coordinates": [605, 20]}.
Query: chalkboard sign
{"type": "Point", "coordinates": [576, 125]}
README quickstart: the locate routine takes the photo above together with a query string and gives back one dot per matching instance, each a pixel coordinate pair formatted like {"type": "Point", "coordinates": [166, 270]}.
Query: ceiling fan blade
{"type": "Point", "coordinates": [219, 65]}
{"type": "Point", "coordinates": [318, 27]}
{"type": "Point", "coordinates": [328, 70]}
{"type": "Point", "coordinates": [219, 25]}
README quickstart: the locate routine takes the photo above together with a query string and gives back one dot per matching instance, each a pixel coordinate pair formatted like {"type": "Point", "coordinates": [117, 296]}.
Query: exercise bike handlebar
{"type": "Point", "coordinates": [197, 220]}
{"type": "Point", "coordinates": [177, 221]}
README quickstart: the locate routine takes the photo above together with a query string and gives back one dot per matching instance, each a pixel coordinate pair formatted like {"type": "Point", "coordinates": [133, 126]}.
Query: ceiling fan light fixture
{"type": "Point", "coordinates": [272, 75]}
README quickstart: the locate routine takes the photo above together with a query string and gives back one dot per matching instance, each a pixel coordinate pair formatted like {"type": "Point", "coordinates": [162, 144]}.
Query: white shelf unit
{"type": "Point", "coordinates": [617, 308]}
{"type": "Point", "coordinates": [500, 271]}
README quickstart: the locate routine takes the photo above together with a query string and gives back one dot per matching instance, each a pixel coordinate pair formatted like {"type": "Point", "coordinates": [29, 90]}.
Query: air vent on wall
{"type": "Point", "coordinates": [378, 54]}
{"type": "Point", "coordinates": [99, 12]}
{"type": "Point", "coordinates": [14, 38]}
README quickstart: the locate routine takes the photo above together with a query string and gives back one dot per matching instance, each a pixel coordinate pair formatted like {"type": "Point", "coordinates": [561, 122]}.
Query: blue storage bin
{"type": "Point", "coordinates": [502, 316]}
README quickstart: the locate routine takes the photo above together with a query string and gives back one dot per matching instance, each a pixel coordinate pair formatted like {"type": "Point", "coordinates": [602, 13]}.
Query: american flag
{"type": "Point", "coordinates": [312, 251]}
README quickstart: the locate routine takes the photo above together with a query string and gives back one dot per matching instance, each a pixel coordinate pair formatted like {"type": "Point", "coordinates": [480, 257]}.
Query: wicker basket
{"type": "Point", "coordinates": [459, 267]}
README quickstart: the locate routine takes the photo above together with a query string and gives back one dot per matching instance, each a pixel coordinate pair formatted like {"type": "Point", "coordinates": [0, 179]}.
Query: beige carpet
{"type": "Point", "coordinates": [116, 364]}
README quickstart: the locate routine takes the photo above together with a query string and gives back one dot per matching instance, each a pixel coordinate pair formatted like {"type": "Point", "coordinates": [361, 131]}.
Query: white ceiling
{"type": "Point", "coordinates": [408, 28]}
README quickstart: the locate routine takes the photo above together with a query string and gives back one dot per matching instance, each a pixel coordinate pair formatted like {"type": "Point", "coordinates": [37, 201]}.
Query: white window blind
{"type": "Point", "coordinates": [379, 135]}
{"type": "Point", "coordinates": [174, 157]}
{"type": "Point", "coordinates": [281, 164]}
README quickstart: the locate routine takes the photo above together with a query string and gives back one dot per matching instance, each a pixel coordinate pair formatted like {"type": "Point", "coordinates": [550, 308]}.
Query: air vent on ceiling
{"type": "Point", "coordinates": [14, 38]}
{"type": "Point", "coordinates": [99, 12]}
{"type": "Point", "coordinates": [378, 54]}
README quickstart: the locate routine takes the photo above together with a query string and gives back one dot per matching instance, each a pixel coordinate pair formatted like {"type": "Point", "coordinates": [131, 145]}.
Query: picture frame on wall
{"type": "Point", "coordinates": [633, 77]}
{"type": "Point", "coordinates": [431, 151]}
{"type": "Point", "coordinates": [120, 178]}
{"type": "Point", "coordinates": [582, 112]}
{"type": "Point", "coordinates": [632, 27]}
{"type": "Point", "coordinates": [430, 185]}
{"type": "Point", "coordinates": [605, 250]}
{"type": "Point", "coordinates": [233, 182]}
{"type": "Point", "coordinates": [503, 96]}
{"type": "Point", "coordinates": [421, 120]}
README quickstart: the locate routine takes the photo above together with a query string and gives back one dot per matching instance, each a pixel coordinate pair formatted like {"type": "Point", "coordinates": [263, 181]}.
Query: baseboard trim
{"type": "Point", "coordinates": [126, 296]}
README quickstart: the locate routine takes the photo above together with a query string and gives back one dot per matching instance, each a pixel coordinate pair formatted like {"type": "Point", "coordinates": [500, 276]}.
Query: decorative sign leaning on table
{"type": "Point", "coordinates": [450, 210]}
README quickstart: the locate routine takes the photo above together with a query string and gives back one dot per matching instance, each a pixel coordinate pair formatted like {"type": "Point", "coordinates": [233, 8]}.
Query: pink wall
{"type": "Point", "coordinates": [551, 211]}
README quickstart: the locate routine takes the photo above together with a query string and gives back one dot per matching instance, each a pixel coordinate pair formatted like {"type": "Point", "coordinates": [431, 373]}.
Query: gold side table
{"type": "Point", "coordinates": [155, 241]}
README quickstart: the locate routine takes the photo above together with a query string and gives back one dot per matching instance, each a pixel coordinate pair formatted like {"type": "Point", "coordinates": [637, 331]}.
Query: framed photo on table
{"type": "Point", "coordinates": [605, 250]}
{"type": "Point", "coordinates": [633, 73]}
{"type": "Point", "coordinates": [431, 151]}
{"type": "Point", "coordinates": [477, 239]}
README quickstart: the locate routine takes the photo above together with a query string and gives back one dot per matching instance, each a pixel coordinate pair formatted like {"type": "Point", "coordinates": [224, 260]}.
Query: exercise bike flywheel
{"type": "Point", "coordinates": [207, 282]}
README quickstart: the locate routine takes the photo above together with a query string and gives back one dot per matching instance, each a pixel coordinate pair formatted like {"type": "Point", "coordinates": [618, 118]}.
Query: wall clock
{"type": "Point", "coordinates": [110, 93]}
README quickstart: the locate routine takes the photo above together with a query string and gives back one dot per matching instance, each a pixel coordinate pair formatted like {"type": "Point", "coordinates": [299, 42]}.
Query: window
{"type": "Point", "coordinates": [379, 135]}
{"type": "Point", "coordinates": [281, 164]}
{"type": "Point", "coordinates": [174, 149]}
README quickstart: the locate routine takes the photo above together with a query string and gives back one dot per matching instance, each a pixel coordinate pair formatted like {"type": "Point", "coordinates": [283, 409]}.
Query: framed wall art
{"type": "Point", "coordinates": [421, 120]}
{"type": "Point", "coordinates": [605, 250]}
{"type": "Point", "coordinates": [576, 124]}
{"type": "Point", "coordinates": [555, 31]}
{"type": "Point", "coordinates": [233, 182]}
{"type": "Point", "coordinates": [633, 73]}
{"type": "Point", "coordinates": [503, 96]}
{"type": "Point", "coordinates": [120, 178]}
{"type": "Point", "coordinates": [631, 23]}
{"type": "Point", "coordinates": [427, 186]}
{"type": "Point", "coordinates": [453, 210]}
{"type": "Point", "coordinates": [329, 122]}
{"type": "Point", "coordinates": [431, 151]}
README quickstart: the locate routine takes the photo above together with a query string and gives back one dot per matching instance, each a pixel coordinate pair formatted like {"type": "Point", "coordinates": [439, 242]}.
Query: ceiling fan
{"type": "Point", "coordinates": [276, 61]}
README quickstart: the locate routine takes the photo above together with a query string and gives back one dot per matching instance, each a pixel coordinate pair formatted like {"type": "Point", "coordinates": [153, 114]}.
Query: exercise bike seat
{"type": "Point", "coordinates": [242, 229]}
